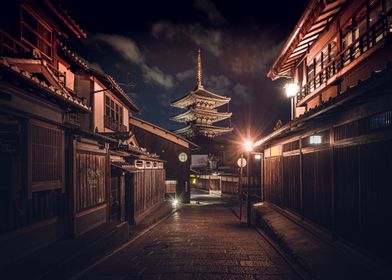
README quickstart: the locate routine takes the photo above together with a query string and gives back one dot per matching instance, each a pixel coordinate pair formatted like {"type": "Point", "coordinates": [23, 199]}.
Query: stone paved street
{"type": "Point", "coordinates": [201, 241]}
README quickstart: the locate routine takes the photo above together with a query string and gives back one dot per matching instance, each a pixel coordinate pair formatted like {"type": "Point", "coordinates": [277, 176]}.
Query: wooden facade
{"type": "Point", "coordinates": [330, 165]}
{"type": "Point", "coordinates": [144, 190]}
{"type": "Point", "coordinates": [56, 170]}
{"type": "Point", "coordinates": [169, 146]}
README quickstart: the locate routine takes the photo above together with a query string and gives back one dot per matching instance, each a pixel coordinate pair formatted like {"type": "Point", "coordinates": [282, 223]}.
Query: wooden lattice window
{"type": "Point", "coordinates": [35, 32]}
{"type": "Point", "coordinates": [47, 156]}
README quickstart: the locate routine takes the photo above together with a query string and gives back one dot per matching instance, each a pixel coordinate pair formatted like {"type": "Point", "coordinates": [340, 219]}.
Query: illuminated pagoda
{"type": "Point", "coordinates": [201, 110]}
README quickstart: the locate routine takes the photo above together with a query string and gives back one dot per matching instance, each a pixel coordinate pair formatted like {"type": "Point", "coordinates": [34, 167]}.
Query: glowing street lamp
{"type": "Point", "coordinates": [248, 146]}
{"type": "Point", "coordinates": [292, 90]}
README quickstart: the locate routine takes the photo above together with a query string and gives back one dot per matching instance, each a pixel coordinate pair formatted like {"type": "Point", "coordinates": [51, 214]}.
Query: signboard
{"type": "Point", "coordinates": [183, 157]}
{"type": "Point", "coordinates": [199, 160]}
{"type": "Point", "coordinates": [241, 162]}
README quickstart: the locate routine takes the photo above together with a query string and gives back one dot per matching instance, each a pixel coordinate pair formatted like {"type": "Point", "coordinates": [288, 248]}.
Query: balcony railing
{"type": "Point", "coordinates": [374, 35]}
{"type": "Point", "coordinates": [114, 125]}
{"type": "Point", "coordinates": [9, 45]}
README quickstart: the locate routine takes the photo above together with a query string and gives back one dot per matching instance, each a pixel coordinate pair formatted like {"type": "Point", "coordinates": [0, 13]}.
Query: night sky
{"type": "Point", "coordinates": [152, 46]}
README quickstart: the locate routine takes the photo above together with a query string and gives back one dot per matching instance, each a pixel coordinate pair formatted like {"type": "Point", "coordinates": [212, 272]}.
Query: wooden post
{"type": "Point", "coordinates": [301, 200]}
{"type": "Point", "coordinates": [240, 187]}
{"type": "Point", "coordinates": [249, 206]}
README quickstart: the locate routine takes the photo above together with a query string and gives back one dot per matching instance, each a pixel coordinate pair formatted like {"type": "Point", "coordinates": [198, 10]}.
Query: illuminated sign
{"type": "Point", "coordinates": [241, 162]}
{"type": "Point", "coordinates": [315, 139]}
{"type": "Point", "coordinates": [183, 157]}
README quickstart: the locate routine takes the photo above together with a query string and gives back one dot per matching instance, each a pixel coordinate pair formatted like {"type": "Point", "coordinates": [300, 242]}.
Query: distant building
{"type": "Point", "coordinates": [201, 111]}
{"type": "Point", "coordinates": [173, 149]}
{"type": "Point", "coordinates": [331, 165]}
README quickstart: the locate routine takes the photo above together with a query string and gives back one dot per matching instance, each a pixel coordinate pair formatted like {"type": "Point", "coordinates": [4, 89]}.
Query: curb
{"type": "Point", "coordinates": [299, 264]}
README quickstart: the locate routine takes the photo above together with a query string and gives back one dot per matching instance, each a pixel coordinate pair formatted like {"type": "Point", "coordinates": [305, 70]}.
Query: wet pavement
{"type": "Point", "coordinates": [203, 240]}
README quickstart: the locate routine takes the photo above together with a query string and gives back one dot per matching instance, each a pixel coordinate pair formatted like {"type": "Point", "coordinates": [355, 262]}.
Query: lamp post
{"type": "Point", "coordinates": [291, 92]}
{"type": "Point", "coordinates": [240, 184]}
{"type": "Point", "coordinates": [248, 148]}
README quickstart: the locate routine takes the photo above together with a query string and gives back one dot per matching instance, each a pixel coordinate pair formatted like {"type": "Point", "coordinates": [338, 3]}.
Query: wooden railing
{"type": "Point", "coordinates": [10, 45]}
{"type": "Point", "coordinates": [378, 31]}
{"type": "Point", "coordinates": [114, 125]}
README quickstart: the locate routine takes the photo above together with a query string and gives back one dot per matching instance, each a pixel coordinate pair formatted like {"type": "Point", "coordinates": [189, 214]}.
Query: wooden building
{"type": "Point", "coordinates": [330, 166]}
{"type": "Point", "coordinates": [137, 179]}
{"type": "Point", "coordinates": [201, 111]}
{"type": "Point", "coordinates": [175, 150]}
{"type": "Point", "coordinates": [63, 159]}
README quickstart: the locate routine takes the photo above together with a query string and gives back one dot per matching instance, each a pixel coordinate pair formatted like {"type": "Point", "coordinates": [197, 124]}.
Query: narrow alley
{"type": "Point", "coordinates": [203, 240]}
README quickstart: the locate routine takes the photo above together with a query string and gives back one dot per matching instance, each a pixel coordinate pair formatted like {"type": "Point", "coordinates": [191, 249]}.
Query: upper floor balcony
{"type": "Point", "coordinates": [9, 46]}
{"type": "Point", "coordinates": [361, 48]}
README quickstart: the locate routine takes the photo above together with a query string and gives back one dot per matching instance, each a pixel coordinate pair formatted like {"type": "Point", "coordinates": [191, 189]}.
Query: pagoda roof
{"type": "Point", "coordinates": [206, 130]}
{"type": "Point", "coordinates": [202, 94]}
{"type": "Point", "coordinates": [192, 114]}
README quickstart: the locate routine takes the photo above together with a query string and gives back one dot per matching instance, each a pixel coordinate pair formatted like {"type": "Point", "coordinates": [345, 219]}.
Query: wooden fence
{"type": "Point", "coordinates": [147, 190]}
{"type": "Point", "coordinates": [345, 189]}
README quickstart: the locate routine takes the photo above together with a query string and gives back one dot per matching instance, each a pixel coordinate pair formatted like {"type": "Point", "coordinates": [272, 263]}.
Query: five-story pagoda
{"type": "Point", "coordinates": [201, 110]}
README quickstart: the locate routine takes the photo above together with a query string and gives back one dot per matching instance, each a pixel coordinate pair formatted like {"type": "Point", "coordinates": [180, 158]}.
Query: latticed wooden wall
{"type": "Point", "coordinates": [149, 189]}
{"type": "Point", "coordinates": [90, 180]}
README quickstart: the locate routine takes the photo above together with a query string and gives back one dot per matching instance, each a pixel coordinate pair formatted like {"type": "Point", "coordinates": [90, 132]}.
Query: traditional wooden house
{"type": "Point", "coordinates": [201, 111]}
{"type": "Point", "coordinates": [54, 113]}
{"type": "Point", "coordinates": [39, 116]}
{"type": "Point", "coordinates": [330, 166]}
{"type": "Point", "coordinates": [172, 148]}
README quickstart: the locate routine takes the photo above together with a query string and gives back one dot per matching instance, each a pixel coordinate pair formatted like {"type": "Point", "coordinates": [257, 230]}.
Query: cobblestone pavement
{"type": "Point", "coordinates": [201, 241]}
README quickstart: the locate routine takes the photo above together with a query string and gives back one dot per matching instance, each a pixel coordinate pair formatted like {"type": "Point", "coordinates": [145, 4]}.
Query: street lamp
{"type": "Point", "coordinates": [248, 145]}
{"type": "Point", "coordinates": [291, 91]}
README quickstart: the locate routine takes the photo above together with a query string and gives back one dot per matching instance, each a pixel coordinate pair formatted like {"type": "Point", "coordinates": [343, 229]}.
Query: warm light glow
{"type": "Point", "coordinates": [175, 202]}
{"type": "Point", "coordinates": [257, 156]}
{"type": "Point", "coordinates": [315, 139]}
{"type": "Point", "coordinates": [291, 89]}
{"type": "Point", "coordinates": [248, 145]}
{"type": "Point", "coordinates": [194, 181]}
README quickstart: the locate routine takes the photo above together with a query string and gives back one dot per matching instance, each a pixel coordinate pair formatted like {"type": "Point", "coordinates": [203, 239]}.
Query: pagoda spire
{"type": "Point", "coordinates": [199, 76]}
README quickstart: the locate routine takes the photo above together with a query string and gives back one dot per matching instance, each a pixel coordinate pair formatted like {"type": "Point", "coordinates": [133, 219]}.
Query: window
{"type": "Point", "coordinates": [107, 106]}
{"type": "Point", "coordinates": [47, 156]}
{"type": "Point", "coordinates": [383, 120]}
{"type": "Point", "coordinates": [375, 10]}
{"type": "Point", "coordinates": [333, 49]}
{"type": "Point", "coordinates": [311, 71]}
{"type": "Point", "coordinates": [35, 32]}
{"type": "Point", "coordinates": [114, 114]}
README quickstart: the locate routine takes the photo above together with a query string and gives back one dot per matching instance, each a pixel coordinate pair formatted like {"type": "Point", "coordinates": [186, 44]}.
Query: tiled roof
{"type": "Point", "coordinates": [104, 78]}
{"type": "Point", "coordinates": [18, 66]}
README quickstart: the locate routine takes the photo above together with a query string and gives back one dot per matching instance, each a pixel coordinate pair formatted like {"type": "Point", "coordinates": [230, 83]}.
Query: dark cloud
{"type": "Point", "coordinates": [210, 9]}
{"type": "Point", "coordinates": [209, 39]}
{"type": "Point", "coordinates": [131, 52]}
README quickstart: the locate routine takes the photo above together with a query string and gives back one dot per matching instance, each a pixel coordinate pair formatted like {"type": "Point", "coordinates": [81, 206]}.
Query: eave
{"type": "Point", "coordinates": [192, 98]}
{"type": "Point", "coordinates": [193, 113]}
{"type": "Point", "coordinates": [205, 129]}
{"type": "Point", "coordinates": [313, 22]}
{"type": "Point", "coordinates": [53, 90]}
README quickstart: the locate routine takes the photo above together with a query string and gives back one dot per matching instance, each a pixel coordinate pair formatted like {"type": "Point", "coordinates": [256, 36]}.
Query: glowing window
{"type": "Point", "coordinates": [315, 139]}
